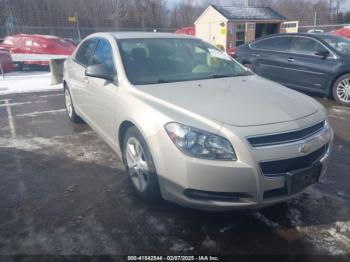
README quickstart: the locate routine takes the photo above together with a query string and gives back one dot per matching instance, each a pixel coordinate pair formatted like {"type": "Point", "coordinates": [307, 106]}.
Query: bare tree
{"type": "Point", "coordinates": [49, 16]}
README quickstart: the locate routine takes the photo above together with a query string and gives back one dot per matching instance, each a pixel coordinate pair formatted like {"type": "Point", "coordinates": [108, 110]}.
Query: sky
{"type": "Point", "coordinates": [345, 5]}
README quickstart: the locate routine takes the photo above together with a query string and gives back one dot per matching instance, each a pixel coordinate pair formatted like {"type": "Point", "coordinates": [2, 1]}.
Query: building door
{"type": "Point", "coordinates": [265, 29]}
{"type": "Point", "coordinates": [240, 34]}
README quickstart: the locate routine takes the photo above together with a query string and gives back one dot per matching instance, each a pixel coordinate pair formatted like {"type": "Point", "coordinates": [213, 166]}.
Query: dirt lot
{"type": "Point", "coordinates": [63, 191]}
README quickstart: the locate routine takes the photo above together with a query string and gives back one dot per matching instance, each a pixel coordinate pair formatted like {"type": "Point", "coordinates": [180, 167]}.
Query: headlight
{"type": "Point", "coordinates": [326, 123]}
{"type": "Point", "coordinates": [200, 144]}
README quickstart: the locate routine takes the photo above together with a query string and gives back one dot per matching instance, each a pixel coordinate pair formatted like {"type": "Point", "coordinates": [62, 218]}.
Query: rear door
{"type": "Point", "coordinates": [269, 55]}
{"type": "Point", "coordinates": [76, 71]}
{"type": "Point", "coordinates": [304, 68]}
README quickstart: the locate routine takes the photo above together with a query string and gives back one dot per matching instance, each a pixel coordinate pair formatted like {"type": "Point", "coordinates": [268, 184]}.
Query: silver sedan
{"type": "Point", "coordinates": [192, 125]}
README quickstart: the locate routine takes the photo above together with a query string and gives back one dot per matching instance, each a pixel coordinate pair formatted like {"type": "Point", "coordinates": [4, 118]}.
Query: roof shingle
{"type": "Point", "coordinates": [249, 13]}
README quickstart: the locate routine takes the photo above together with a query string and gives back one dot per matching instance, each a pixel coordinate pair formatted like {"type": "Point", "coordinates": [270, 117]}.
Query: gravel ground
{"type": "Point", "coordinates": [64, 192]}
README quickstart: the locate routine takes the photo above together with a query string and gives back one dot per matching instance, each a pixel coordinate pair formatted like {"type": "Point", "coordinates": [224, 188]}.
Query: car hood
{"type": "Point", "coordinates": [238, 101]}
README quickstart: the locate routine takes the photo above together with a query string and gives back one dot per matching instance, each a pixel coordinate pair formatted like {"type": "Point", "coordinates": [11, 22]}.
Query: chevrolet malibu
{"type": "Point", "coordinates": [192, 125]}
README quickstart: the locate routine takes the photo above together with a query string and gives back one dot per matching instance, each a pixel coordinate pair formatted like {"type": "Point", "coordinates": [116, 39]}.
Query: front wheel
{"type": "Point", "coordinates": [341, 90]}
{"type": "Point", "coordinates": [139, 166]}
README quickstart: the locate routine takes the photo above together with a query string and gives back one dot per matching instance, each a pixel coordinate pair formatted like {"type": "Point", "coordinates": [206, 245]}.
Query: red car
{"type": "Point", "coordinates": [6, 61]}
{"type": "Point", "coordinates": [191, 30]}
{"type": "Point", "coordinates": [343, 32]}
{"type": "Point", "coordinates": [37, 45]}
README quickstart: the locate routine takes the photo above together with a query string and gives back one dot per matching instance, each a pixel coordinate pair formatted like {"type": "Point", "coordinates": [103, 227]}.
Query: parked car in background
{"type": "Point", "coordinates": [231, 50]}
{"type": "Point", "coordinates": [315, 31]}
{"type": "Point", "coordinates": [194, 126]}
{"type": "Point", "coordinates": [36, 44]}
{"type": "Point", "coordinates": [5, 61]}
{"type": "Point", "coordinates": [72, 41]}
{"type": "Point", "coordinates": [190, 30]}
{"type": "Point", "coordinates": [343, 32]}
{"type": "Point", "coordinates": [309, 62]}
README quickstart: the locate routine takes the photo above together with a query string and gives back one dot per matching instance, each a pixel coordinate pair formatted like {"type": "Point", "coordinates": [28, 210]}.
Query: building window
{"type": "Point", "coordinates": [289, 25]}
{"type": "Point", "coordinates": [250, 26]}
{"type": "Point", "coordinates": [240, 27]}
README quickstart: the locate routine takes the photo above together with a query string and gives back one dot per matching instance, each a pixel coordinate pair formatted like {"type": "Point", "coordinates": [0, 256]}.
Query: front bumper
{"type": "Point", "coordinates": [227, 185]}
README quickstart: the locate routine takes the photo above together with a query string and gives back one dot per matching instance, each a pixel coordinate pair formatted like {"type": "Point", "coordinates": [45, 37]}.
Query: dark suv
{"type": "Point", "coordinates": [310, 62]}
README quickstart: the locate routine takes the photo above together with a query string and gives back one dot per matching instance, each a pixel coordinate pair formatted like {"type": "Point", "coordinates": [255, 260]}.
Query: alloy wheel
{"type": "Point", "coordinates": [343, 90]}
{"type": "Point", "coordinates": [137, 164]}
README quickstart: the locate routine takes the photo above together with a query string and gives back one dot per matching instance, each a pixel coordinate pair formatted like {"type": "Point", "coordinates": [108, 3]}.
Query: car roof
{"type": "Point", "coordinates": [314, 35]}
{"type": "Point", "coordinates": [135, 35]}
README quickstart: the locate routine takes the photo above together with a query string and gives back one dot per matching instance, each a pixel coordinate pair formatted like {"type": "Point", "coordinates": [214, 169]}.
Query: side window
{"type": "Point", "coordinates": [281, 44]}
{"type": "Point", "coordinates": [104, 55]}
{"type": "Point", "coordinates": [306, 46]}
{"type": "Point", "coordinates": [85, 52]}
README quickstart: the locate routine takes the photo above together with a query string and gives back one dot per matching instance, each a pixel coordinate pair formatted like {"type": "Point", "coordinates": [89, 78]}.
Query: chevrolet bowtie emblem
{"type": "Point", "coordinates": [306, 148]}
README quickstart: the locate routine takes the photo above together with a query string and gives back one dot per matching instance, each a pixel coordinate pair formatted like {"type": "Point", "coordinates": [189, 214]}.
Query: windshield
{"type": "Point", "coordinates": [164, 60]}
{"type": "Point", "coordinates": [340, 44]}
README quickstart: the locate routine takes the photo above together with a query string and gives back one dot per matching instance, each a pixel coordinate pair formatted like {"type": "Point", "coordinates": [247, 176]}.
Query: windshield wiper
{"type": "Point", "coordinates": [222, 76]}
{"type": "Point", "coordinates": [158, 81]}
{"type": "Point", "coordinates": [228, 75]}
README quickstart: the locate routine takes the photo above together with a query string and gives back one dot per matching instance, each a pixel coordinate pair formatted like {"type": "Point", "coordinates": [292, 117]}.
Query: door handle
{"type": "Point", "coordinates": [86, 80]}
{"type": "Point", "coordinates": [256, 54]}
{"type": "Point", "coordinates": [291, 59]}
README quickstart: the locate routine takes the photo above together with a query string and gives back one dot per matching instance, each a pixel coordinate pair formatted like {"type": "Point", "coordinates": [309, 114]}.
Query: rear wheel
{"type": "Point", "coordinates": [70, 107]}
{"type": "Point", "coordinates": [139, 166]}
{"type": "Point", "coordinates": [341, 90]}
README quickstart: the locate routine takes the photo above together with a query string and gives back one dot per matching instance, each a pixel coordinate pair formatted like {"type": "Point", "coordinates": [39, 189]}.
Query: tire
{"type": "Point", "coordinates": [341, 90]}
{"type": "Point", "coordinates": [139, 166]}
{"type": "Point", "coordinates": [70, 107]}
{"type": "Point", "coordinates": [250, 67]}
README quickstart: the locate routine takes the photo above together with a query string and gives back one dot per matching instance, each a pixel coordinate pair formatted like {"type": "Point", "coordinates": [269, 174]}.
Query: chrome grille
{"type": "Point", "coordinates": [284, 138]}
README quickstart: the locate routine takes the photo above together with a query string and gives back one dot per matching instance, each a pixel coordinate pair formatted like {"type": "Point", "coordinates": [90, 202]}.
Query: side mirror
{"type": "Point", "coordinates": [249, 69]}
{"type": "Point", "coordinates": [322, 53]}
{"type": "Point", "coordinates": [99, 71]}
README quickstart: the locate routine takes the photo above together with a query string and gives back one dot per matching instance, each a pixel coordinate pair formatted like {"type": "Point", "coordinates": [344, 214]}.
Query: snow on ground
{"type": "Point", "coordinates": [22, 82]}
{"type": "Point", "coordinates": [332, 237]}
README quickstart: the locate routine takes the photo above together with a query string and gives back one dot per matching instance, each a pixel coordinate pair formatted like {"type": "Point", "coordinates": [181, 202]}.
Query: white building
{"type": "Point", "coordinates": [229, 26]}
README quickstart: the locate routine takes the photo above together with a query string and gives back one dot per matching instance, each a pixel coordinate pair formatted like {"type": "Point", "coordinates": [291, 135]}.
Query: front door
{"type": "Point", "coordinates": [102, 93]}
{"type": "Point", "coordinates": [305, 69]}
{"type": "Point", "coordinates": [268, 56]}
{"type": "Point", "coordinates": [78, 81]}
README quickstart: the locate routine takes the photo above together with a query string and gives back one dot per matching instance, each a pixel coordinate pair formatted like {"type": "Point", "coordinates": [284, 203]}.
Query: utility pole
{"type": "Point", "coordinates": [78, 26]}
{"type": "Point", "coordinates": [12, 21]}
{"type": "Point", "coordinates": [315, 21]}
